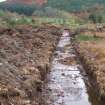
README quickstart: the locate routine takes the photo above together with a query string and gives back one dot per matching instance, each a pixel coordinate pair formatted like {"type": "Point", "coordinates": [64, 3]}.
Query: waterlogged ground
{"type": "Point", "coordinates": [65, 84]}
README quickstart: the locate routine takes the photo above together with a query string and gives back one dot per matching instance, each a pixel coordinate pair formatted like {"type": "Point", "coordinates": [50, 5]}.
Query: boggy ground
{"type": "Point", "coordinates": [25, 54]}
{"type": "Point", "coordinates": [92, 54]}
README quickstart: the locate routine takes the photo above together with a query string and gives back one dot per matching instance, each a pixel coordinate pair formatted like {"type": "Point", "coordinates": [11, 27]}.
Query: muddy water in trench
{"type": "Point", "coordinates": [65, 83]}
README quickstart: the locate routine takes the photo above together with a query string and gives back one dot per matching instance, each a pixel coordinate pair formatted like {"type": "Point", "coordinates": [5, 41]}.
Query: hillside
{"type": "Point", "coordinates": [29, 6]}
{"type": "Point", "coordinates": [38, 2]}
{"type": "Point", "coordinates": [73, 5]}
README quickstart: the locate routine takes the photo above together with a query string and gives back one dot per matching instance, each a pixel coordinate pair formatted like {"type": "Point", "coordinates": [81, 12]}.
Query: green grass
{"type": "Point", "coordinates": [12, 19]}
{"type": "Point", "coordinates": [87, 38]}
{"type": "Point", "coordinates": [71, 22]}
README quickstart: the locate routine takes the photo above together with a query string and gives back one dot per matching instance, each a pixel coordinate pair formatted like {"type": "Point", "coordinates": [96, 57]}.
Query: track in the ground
{"type": "Point", "coordinates": [65, 83]}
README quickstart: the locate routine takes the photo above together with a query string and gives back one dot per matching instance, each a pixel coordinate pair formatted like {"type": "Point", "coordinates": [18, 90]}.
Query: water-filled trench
{"type": "Point", "coordinates": [66, 82]}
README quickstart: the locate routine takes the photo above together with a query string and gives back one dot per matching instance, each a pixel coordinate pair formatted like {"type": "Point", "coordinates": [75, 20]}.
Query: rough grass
{"type": "Point", "coordinates": [12, 19]}
{"type": "Point", "coordinates": [92, 50]}
{"type": "Point", "coordinates": [83, 37]}
{"type": "Point", "coordinates": [71, 22]}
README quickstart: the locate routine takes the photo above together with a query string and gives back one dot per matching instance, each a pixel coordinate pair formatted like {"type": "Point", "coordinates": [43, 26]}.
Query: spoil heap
{"type": "Point", "coordinates": [25, 54]}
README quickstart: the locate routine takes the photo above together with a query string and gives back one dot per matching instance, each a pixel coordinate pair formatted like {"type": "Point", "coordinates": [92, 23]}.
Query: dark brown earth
{"type": "Point", "coordinates": [25, 54]}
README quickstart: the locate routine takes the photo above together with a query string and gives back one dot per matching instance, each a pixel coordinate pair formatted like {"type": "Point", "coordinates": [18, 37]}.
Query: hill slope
{"type": "Point", "coordinates": [38, 2]}
{"type": "Point", "coordinates": [73, 5]}
{"type": "Point", "coordinates": [29, 6]}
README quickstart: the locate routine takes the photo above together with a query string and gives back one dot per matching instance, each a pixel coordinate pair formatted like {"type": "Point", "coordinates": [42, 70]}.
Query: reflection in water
{"type": "Point", "coordinates": [66, 85]}
{"type": "Point", "coordinates": [74, 93]}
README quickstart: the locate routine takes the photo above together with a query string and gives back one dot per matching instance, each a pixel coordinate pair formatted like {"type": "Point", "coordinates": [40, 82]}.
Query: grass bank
{"type": "Point", "coordinates": [91, 51]}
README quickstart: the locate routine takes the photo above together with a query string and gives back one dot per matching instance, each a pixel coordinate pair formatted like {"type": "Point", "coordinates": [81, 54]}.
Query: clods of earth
{"type": "Point", "coordinates": [25, 54]}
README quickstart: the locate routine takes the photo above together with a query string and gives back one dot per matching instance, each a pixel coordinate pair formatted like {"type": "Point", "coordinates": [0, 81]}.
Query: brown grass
{"type": "Point", "coordinates": [93, 53]}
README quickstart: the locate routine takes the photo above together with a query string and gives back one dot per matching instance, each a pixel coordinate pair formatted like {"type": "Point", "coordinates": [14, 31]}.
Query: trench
{"type": "Point", "coordinates": [67, 82]}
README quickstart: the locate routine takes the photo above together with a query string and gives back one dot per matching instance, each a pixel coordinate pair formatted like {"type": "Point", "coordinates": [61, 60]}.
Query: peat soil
{"type": "Point", "coordinates": [67, 82]}
{"type": "Point", "coordinates": [25, 55]}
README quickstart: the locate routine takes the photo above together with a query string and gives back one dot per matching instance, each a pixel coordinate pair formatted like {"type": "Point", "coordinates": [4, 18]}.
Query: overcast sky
{"type": "Point", "coordinates": [2, 0]}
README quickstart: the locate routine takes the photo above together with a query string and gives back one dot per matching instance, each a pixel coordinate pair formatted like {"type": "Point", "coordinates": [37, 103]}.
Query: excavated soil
{"type": "Point", "coordinates": [92, 56]}
{"type": "Point", "coordinates": [25, 55]}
